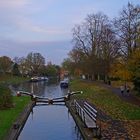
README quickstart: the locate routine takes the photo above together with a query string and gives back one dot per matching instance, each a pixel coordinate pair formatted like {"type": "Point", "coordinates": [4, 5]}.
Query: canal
{"type": "Point", "coordinates": [48, 122]}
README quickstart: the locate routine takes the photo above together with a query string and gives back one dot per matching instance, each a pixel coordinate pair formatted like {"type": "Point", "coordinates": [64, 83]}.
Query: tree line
{"type": "Point", "coordinates": [32, 65]}
{"type": "Point", "coordinates": [105, 49]}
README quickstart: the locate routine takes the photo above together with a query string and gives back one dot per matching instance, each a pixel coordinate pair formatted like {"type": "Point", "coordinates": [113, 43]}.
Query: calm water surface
{"type": "Point", "coordinates": [48, 122]}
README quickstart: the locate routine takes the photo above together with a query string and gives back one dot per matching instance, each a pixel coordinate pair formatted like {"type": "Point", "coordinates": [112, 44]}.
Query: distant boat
{"type": "Point", "coordinates": [64, 83]}
{"type": "Point", "coordinates": [37, 79]}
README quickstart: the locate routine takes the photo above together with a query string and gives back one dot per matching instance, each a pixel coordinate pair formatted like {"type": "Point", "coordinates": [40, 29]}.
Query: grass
{"type": "Point", "coordinates": [10, 79]}
{"type": "Point", "coordinates": [105, 100]}
{"type": "Point", "coordinates": [8, 116]}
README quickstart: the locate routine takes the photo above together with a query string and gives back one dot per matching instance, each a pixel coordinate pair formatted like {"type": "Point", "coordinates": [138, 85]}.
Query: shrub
{"type": "Point", "coordinates": [5, 97]}
{"type": "Point", "coordinates": [136, 82]}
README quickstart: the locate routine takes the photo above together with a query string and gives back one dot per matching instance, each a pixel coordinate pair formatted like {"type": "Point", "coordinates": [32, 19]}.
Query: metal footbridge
{"type": "Point", "coordinates": [41, 99]}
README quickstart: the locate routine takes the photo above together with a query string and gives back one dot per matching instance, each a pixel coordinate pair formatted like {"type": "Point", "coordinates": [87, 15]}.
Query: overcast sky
{"type": "Point", "coordinates": [45, 26]}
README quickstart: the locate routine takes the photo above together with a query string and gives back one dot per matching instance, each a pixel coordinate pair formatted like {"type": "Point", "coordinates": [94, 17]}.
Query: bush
{"type": "Point", "coordinates": [136, 82]}
{"type": "Point", "coordinates": [5, 97]}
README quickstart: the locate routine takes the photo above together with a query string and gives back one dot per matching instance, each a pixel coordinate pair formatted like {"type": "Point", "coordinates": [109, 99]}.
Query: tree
{"type": "Point", "coordinates": [95, 45]}
{"type": "Point", "coordinates": [134, 67]}
{"type": "Point", "coordinates": [22, 65]}
{"type": "Point", "coordinates": [109, 50]}
{"type": "Point", "coordinates": [68, 65]}
{"type": "Point", "coordinates": [15, 70]}
{"type": "Point", "coordinates": [127, 28]}
{"type": "Point", "coordinates": [51, 70]}
{"type": "Point", "coordinates": [5, 64]}
{"type": "Point", "coordinates": [34, 62]}
{"type": "Point", "coordinates": [119, 70]}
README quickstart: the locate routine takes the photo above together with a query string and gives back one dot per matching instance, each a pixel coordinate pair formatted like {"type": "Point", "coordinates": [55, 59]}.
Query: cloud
{"type": "Point", "coordinates": [54, 51]}
{"type": "Point", "coordinates": [28, 25]}
{"type": "Point", "coordinates": [32, 20]}
{"type": "Point", "coordinates": [13, 3]}
{"type": "Point", "coordinates": [19, 20]}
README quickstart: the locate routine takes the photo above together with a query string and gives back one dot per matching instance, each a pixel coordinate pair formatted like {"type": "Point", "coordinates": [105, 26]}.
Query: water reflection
{"type": "Point", "coordinates": [50, 123]}
{"type": "Point", "coordinates": [41, 89]}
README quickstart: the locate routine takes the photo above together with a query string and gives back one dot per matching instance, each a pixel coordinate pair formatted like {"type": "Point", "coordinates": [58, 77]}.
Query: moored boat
{"type": "Point", "coordinates": [64, 83]}
{"type": "Point", "coordinates": [37, 79]}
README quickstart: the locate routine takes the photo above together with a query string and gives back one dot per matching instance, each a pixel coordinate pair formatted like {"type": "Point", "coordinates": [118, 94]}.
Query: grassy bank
{"type": "Point", "coordinates": [8, 116]}
{"type": "Point", "coordinates": [105, 100]}
{"type": "Point", "coordinates": [9, 79]}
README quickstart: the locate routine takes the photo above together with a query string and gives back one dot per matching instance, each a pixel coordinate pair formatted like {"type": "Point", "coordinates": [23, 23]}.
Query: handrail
{"type": "Point", "coordinates": [46, 99]}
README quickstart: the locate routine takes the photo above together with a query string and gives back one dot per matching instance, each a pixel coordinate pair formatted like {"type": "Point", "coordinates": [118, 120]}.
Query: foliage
{"type": "Point", "coordinates": [134, 67]}
{"type": "Point", "coordinates": [34, 62]}
{"type": "Point", "coordinates": [10, 79]}
{"type": "Point", "coordinates": [120, 70]}
{"type": "Point", "coordinates": [127, 28]}
{"type": "Point", "coordinates": [136, 82]}
{"type": "Point", "coordinates": [95, 45]}
{"type": "Point", "coordinates": [106, 101]}
{"type": "Point", "coordinates": [8, 116]}
{"type": "Point", "coordinates": [102, 48]}
{"type": "Point", "coordinates": [5, 64]}
{"type": "Point", "coordinates": [51, 70]}
{"type": "Point", "coordinates": [5, 97]}
{"type": "Point", "coordinates": [15, 70]}
{"type": "Point", "coordinates": [68, 65]}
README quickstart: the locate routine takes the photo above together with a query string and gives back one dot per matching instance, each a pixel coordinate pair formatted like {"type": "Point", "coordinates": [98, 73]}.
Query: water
{"type": "Point", "coordinates": [52, 122]}
{"type": "Point", "coordinates": [41, 89]}
{"type": "Point", "coordinates": [48, 122]}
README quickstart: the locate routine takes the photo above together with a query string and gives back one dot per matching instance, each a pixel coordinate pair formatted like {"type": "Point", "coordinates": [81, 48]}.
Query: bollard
{"type": "Point", "coordinates": [18, 94]}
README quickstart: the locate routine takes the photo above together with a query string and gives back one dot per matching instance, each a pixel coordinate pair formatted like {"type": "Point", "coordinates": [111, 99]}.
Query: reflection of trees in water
{"type": "Point", "coordinates": [54, 90]}
{"type": "Point", "coordinates": [23, 86]}
{"type": "Point", "coordinates": [64, 91]}
{"type": "Point", "coordinates": [53, 80]}
{"type": "Point", "coordinates": [41, 89]}
{"type": "Point", "coordinates": [37, 88]}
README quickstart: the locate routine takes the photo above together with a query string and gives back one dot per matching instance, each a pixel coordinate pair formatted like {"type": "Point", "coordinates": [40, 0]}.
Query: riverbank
{"type": "Point", "coordinates": [117, 115]}
{"type": "Point", "coordinates": [86, 133]}
{"type": "Point", "coordinates": [10, 79]}
{"type": "Point", "coordinates": [9, 116]}
{"type": "Point", "coordinates": [18, 125]}
{"type": "Point", "coordinates": [11, 106]}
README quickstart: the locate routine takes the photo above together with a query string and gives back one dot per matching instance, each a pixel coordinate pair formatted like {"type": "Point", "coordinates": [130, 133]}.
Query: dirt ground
{"type": "Point", "coordinates": [133, 128]}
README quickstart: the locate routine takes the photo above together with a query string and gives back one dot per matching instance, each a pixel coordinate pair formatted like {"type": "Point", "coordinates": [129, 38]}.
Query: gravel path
{"type": "Point", "coordinates": [125, 96]}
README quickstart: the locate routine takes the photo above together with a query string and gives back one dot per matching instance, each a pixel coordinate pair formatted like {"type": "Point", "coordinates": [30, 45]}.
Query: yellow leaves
{"type": "Point", "coordinates": [134, 63]}
{"type": "Point", "coordinates": [125, 70]}
{"type": "Point", "coordinates": [77, 72]}
{"type": "Point", "coordinates": [119, 70]}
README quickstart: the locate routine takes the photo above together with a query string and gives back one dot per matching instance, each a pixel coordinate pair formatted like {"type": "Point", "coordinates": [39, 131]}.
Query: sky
{"type": "Point", "coordinates": [45, 26]}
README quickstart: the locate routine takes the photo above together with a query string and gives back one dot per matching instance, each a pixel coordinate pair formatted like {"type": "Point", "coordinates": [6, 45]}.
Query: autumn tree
{"type": "Point", "coordinates": [134, 68]}
{"type": "Point", "coordinates": [68, 65]}
{"type": "Point", "coordinates": [95, 45]}
{"type": "Point", "coordinates": [127, 27]}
